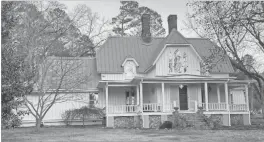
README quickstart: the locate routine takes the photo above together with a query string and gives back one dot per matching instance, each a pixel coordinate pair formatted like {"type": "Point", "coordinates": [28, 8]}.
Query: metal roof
{"type": "Point", "coordinates": [115, 50]}
{"type": "Point", "coordinates": [87, 67]}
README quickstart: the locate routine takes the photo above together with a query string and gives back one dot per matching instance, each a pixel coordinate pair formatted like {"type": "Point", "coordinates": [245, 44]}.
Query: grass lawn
{"type": "Point", "coordinates": [95, 133]}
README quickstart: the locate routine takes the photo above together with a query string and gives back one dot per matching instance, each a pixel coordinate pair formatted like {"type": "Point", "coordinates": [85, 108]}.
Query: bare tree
{"type": "Point", "coordinates": [59, 78]}
{"type": "Point", "coordinates": [43, 30]}
{"type": "Point", "coordinates": [236, 27]}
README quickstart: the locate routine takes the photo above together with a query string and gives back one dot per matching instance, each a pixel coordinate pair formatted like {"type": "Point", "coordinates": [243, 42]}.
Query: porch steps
{"type": "Point", "coordinates": [196, 120]}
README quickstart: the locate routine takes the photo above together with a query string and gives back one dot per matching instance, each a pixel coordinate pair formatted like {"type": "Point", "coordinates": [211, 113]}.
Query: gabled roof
{"type": "Point", "coordinates": [115, 50]}
{"type": "Point", "coordinates": [175, 37]}
{"type": "Point", "coordinates": [205, 47]}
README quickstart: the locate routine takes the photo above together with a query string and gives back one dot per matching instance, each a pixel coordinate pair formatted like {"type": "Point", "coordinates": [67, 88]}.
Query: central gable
{"type": "Point", "coordinates": [178, 60]}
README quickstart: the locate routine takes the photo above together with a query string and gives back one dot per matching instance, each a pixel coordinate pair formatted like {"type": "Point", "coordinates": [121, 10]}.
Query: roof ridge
{"type": "Point", "coordinates": [199, 38]}
{"type": "Point", "coordinates": [181, 35]}
{"type": "Point", "coordinates": [133, 37]}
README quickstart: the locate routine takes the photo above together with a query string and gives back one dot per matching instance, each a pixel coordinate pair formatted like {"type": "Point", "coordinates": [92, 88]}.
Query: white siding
{"type": "Point", "coordinates": [150, 93]}
{"type": "Point", "coordinates": [113, 76]}
{"type": "Point", "coordinates": [238, 96]}
{"type": "Point", "coordinates": [58, 109]}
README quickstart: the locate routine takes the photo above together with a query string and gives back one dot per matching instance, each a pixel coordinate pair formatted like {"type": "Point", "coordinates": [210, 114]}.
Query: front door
{"type": "Point", "coordinates": [183, 98]}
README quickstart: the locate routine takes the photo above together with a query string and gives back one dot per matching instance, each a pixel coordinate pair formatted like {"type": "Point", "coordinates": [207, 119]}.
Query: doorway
{"type": "Point", "coordinates": [183, 98]}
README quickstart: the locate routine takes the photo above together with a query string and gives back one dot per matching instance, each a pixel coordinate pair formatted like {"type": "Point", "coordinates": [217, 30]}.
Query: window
{"type": "Point", "coordinates": [130, 69]}
{"type": "Point", "coordinates": [177, 62]}
{"type": "Point", "coordinates": [93, 99]}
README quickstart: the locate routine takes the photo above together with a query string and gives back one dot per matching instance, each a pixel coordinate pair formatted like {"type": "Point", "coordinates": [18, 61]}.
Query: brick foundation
{"type": "Point", "coordinates": [236, 119]}
{"type": "Point", "coordinates": [154, 121]}
{"type": "Point", "coordinates": [218, 118]}
{"type": "Point", "coordinates": [124, 121]}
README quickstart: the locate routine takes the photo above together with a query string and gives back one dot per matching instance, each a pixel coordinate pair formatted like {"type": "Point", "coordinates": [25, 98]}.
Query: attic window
{"type": "Point", "coordinates": [177, 62]}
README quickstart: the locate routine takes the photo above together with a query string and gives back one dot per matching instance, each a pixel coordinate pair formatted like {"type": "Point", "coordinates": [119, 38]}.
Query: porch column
{"type": "Point", "coordinates": [206, 95]}
{"type": "Point", "coordinates": [218, 93]}
{"type": "Point", "coordinates": [163, 97]}
{"type": "Point", "coordinates": [226, 96]}
{"type": "Point", "coordinates": [137, 94]}
{"type": "Point", "coordinates": [141, 96]}
{"type": "Point", "coordinates": [109, 122]}
{"type": "Point", "coordinates": [106, 98]}
{"type": "Point", "coordinates": [246, 93]}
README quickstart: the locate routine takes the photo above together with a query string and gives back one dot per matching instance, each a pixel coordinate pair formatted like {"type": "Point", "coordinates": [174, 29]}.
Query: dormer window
{"type": "Point", "coordinates": [130, 69]}
{"type": "Point", "coordinates": [130, 65]}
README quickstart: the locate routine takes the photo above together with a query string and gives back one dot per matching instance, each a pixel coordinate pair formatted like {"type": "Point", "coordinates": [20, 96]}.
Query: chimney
{"type": "Point", "coordinates": [172, 22]}
{"type": "Point", "coordinates": [146, 35]}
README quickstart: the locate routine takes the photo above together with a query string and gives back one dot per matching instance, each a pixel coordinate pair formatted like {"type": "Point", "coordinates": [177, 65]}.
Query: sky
{"type": "Point", "coordinates": [110, 8]}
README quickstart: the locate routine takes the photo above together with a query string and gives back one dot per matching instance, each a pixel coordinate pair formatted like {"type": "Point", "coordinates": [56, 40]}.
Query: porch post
{"type": "Point", "coordinates": [108, 119]}
{"type": "Point", "coordinates": [226, 96]}
{"type": "Point", "coordinates": [137, 94]}
{"type": "Point", "coordinates": [218, 93]}
{"type": "Point", "coordinates": [163, 96]}
{"type": "Point", "coordinates": [246, 93]}
{"type": "Point", "coordinates": [141, 96]}
{"type": "Point", "coordinates": [106, 98]}
{"type": "Point", "coordinates": [206, 95]}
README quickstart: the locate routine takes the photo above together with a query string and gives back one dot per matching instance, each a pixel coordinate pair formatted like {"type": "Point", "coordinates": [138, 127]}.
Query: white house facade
{"type": "Point", "coordinates": [147, 76]}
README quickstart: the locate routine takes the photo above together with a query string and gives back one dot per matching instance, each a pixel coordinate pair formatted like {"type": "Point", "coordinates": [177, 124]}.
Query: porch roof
{"type": "Point", "coordinates": [242, 81]}
{"type": "Point", "coordinates": [193, 79]}
{"type": "Point", "coordinates": [190, 79]}
{"type": "Point", "coordinates": [102, 84]}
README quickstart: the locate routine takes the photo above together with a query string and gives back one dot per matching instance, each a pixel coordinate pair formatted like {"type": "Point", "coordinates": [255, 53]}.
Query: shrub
{"type": "Point", "coordinates": [166, 125]}
{"type": "Point", "coordinates": [81, 114]}
{"type": "Point", "coordinates": [179, 121]}
{"type": "Point", "coordinates": [11, 120]}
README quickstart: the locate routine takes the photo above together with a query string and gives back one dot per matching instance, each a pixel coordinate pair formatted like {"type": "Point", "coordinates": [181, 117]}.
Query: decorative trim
{"type": "Point", "coordinates": [176, 45]}
{"type": "Point", "coordinates": [132, 59]}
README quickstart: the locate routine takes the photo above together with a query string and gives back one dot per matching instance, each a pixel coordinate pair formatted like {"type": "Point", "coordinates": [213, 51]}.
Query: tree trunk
{"type": "Point", "coordinates": [83, 120]}
{"type": "Point", "coordinates": [262, 107]}
{"type": "Point", "coordinates": [252, 97]}
{"type": "Point", "coordinates": [38, 123]}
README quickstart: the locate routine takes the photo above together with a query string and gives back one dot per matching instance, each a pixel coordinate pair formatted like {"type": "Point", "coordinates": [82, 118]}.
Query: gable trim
{"type": "Point", "coordinates": [123, 64]}
{"type": "Point", "coordinates": [178, 45]}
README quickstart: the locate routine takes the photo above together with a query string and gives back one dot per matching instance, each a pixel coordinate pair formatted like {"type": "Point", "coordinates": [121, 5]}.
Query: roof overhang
{"type": "Point", "coordinates": [119, 83]}
{"type": "Point", "coordinates": [242, 81]}
{"type": "Point", "coordinates": [64, 91]}
{"type": "Point", "coordinates": [184, 79]}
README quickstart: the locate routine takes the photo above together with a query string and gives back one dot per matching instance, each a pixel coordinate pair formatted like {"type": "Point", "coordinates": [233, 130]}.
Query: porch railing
{"type": "Point", "coordinates": [152, 107]}
{"type": "Point", "coordinates": [238, 107]}
{"type": "Point", "coordinates": [214, 106]}
{"type": "Point", "coordinates": [122, 109]}
{"type": "Point", "coordinates": [223, 106]}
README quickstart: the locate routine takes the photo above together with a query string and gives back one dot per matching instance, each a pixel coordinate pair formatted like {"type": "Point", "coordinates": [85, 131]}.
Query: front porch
{"type": "Point", "coordinates": [142, 97]}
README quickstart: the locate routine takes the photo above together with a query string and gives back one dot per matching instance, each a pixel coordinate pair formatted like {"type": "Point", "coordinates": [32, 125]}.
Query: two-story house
{"type": "Point", "coordinates": [147, 77]}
